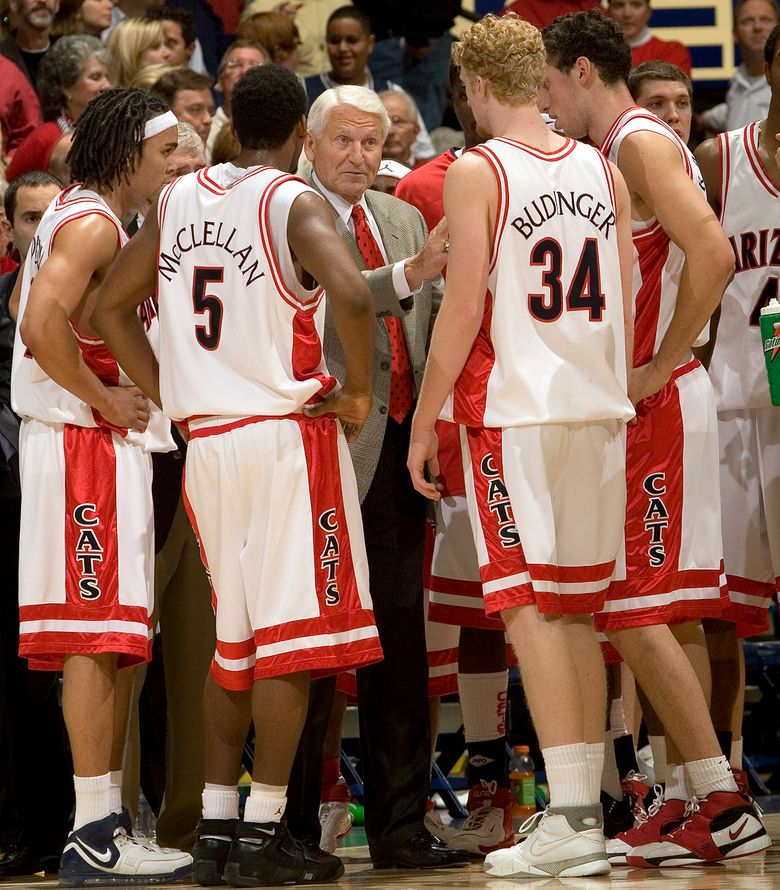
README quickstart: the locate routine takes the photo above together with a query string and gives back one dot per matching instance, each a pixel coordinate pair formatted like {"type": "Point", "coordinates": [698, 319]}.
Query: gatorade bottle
{"type": "Point", "coordinates": [770, 343]}
{"type": "Point", "coordinates": [522, 783]}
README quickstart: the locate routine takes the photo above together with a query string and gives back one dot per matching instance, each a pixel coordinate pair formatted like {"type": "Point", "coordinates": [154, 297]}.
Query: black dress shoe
{"type": "Point", "coordinates": [18, 860]}
{"type": "Point", "coordinates": [423, 850]}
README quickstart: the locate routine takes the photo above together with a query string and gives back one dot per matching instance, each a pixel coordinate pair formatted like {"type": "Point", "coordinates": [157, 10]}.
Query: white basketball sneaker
{"type": "Point", "coordinates": [101, 852]}
{"type": "Point", "coordinates": [567, 842]}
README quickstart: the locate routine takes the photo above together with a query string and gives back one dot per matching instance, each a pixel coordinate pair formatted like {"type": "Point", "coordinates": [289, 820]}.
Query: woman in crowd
{"type": "Point", "coordinates": [134, 44]}
{"type": "Point", "coordinates": [74, 71]}
{"type": "Point", "coordinates": [277, 33]}
{"type": "Point", "coordinates": [83, 17]}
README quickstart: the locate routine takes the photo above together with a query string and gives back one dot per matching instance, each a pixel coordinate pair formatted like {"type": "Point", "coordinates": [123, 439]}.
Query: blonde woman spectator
{"type": "Point", "coordinates": [226, 147]}
{"type": "Point", "coordinates": [134, 44]}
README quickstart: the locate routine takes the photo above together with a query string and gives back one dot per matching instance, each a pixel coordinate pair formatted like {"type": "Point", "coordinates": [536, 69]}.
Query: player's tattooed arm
{"type": "Point", "coordinates": [130, 281]}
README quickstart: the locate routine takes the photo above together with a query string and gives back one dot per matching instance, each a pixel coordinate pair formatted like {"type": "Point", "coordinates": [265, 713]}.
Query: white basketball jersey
{"type": "Point", "coordinates": [658, 261]}
{"type": "Point", "coordinates": [33, 393]}
{"type": "Point", "coordinates": [551, 348]}
{"type": "Point", "coordinates": [748, 213]}
{"type": "Point", "coordinates": [239, 336]}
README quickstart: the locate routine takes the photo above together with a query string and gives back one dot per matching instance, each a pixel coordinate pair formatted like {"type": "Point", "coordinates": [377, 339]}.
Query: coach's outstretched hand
{"type": "Point", "coordinates": [351, 410]}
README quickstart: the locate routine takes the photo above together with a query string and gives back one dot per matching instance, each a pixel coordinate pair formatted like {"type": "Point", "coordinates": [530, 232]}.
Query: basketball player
{"type": "Point", "coordinates": [86, 547]}
{"type": "Point", "coordinates": [539, 386]}
{"type": "Point", "coordinates": [671, 570]}
{"type": "Point", "coordinates": [455, 591]}
{"type": "Point", "coordinates": [743, 183]}
{"type": "Point", "coordinates": [665, 90]}
{"type": "Point", "coordinates": [268, 479]}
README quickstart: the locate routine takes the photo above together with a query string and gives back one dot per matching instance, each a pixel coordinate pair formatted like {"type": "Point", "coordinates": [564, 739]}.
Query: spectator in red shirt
{"type": "Point", "coordinates": [634, 15]}
{"type": "Point", "coordinates": [20, 111]}
{"type": "Point", "coordinates": [541, 13]}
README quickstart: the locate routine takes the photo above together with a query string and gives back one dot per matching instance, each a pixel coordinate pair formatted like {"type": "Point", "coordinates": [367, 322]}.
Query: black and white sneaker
{"type": "Point", "coordinates": [265, 853]}
{"type": "Point", "coordinates": [101, 852]}
{"type": "Point", "coordinates": [213, 838]}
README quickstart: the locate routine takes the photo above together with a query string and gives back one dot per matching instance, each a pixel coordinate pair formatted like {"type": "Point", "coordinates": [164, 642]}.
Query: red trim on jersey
{"type": "Point", "coordinates": [610, 180]}
{"type": "Point", "coordinates": [652, 247]}
{"type": "Point", "coordinates": [750, 136]}
{"type": "Point", "coordinates": [84, 213]}
{"type": "Point", "coordinates": [750, 619]}
{"type": "Point", "coordinates": [571, 574]}
{"type": "Point", "coordinates": [637, 113]}
{"type": "Point", "coordinates": [307, 355]}
{"type": "Point", "coordinates": [502, 205]}
{"type": "Point", "coordinates": [268, 248]}
{"type": "Point", "coordinates": [205, 431]}
{"type": "Point", "coordinates": [724, 153]}
{"type": "Point", "coordinates": [551, 156]}
{"type": "Point", "coordinates": [470, 393]}
{"type": "Point", "coordinates": [463, 616]}
{"type": "Point", "coordinates": [91, 544]}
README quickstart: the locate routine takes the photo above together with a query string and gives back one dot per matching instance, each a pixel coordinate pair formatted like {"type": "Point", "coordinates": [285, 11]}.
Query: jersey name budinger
{"type": "Point", "coordinates": [550, 204]}
{"type": "Point", "coordinates": [187, 239]}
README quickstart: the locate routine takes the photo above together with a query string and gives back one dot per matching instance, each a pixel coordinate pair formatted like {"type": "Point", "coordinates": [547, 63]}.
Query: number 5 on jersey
{"type": "Point", "coordinates": [209, 333]}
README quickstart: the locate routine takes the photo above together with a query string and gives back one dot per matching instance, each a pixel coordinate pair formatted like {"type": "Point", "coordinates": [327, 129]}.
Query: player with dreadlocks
{"type": "Point", "coordinates": [86, 545]}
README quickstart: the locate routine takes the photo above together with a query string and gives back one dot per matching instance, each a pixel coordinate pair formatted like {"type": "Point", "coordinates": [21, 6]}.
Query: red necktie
{"type": "Point", "coordinates": [401, 381]}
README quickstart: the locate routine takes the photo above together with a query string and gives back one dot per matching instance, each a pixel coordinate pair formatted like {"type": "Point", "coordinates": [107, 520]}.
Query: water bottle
{"type": "Point", "coordinates": [522, 784]}
{"type": "Point", "coordinates": [770, 341]}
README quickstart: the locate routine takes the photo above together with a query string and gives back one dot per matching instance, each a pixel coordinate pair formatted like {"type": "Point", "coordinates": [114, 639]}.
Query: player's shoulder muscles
{"type": "Point", "coordinates": [470, 184]}
{"type": "Point", "coordinates": [89, 243]}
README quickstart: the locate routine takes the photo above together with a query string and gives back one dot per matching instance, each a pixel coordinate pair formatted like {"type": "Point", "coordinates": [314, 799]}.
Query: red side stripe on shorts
{"type": "Point", "coordinates": [91, 547]}
{"type": "Point", "coordinates": [333, 568]}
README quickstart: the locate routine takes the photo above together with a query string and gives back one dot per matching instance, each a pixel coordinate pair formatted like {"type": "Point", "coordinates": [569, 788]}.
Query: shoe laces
{"type": "Point", "coordinates": [489, 787]}
{"type": "Point", "coordinates": [658, 801]}
{"type": "Point", "coordinates": [530, 823]}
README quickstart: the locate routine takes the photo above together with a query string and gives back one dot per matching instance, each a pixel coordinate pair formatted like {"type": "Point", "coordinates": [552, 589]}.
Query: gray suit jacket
{"type": "Point", "coordinates": [403, 233]}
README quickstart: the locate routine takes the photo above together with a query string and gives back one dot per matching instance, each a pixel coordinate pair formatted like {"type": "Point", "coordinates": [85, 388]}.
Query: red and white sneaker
{"type": "Point", "coordinates": [488, 826]}
{"type": "Point", "coordinates": [724, 825]}
{"type": "Point", "coordinates": [622, 815]}
{"type": "Point", "coordinates": [335, 818]}
{"type": "Point", "coordinates": [661, 817]}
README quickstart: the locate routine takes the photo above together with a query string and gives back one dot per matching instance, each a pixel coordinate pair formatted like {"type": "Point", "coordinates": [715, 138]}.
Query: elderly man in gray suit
{"type": "Point", "coordinates": [388, 239]}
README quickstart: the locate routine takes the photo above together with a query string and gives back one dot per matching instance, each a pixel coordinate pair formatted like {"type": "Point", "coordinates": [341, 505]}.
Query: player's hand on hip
{"type": "Point", "coordinates": [645, 381]}
{"type": "Point", "coordinates": [127, 408]}
{"type": "Point", "coordinates": [350, 408]}
{"type": "Point", "coordinates": [424, 450]}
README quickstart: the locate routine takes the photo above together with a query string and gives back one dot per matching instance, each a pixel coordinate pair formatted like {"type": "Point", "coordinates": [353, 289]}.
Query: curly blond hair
{"type": "Point", "coordinates": [509, 53]}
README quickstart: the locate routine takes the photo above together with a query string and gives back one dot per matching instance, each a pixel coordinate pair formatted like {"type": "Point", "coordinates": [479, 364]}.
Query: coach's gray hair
{"type": "Point", "coordinates": [189, 141]}
{"type": "Point", "coordinates": [358, 97]}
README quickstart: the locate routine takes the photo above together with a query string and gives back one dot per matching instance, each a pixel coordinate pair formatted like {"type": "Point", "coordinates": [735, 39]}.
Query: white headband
{"type": "Point", "coordinates": [159, 124]}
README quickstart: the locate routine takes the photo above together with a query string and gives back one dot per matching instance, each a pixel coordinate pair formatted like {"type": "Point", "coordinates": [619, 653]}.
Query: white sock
{"type": "Point", "coordinates": [610, 777]}
{"type": "Point", "coordinates": [93, 799]}
{"type": "Point", "coordinates": [595, 755]}
{"type": "Point", "coordinates": [266, 803]}
{"type": "Point", "coordinates": [220, 801]}
{"type": "Point", "coordinates": [568, 775]}
{"type": "Point", "coordinates": [710, 774]}
{"type": "Point", "coordinates": [658, 747]}
{"type": "Point", "coordinates": [115, 787]}
{"type": "Point", "coordinates": [736, 754]}
{"type": "Point", "coordinates": [676, 783]}
{"type": "Point", "coordinates": [483, 703]}
{"type": "Point", "coordinates": [617, 717]}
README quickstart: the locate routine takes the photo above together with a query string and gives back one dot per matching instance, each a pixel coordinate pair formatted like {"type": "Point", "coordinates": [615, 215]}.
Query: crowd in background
{"type": "Point", "coordinates": [54, 58]}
